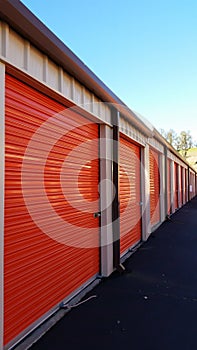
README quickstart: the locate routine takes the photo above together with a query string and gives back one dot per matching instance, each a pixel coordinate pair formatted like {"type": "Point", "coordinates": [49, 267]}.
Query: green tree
{"type": "Point", "coordinates": [182, 142]}
{"type": "Point", "coordinates": [170, 136]}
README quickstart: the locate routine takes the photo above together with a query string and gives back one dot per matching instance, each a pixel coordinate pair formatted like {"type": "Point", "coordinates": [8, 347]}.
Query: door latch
{"type": "Point", "coordinates": [97, 215]}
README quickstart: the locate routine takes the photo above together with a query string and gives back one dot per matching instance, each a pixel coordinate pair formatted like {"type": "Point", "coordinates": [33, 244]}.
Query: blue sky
{"type": "Point", "coordinates": [145, 51]}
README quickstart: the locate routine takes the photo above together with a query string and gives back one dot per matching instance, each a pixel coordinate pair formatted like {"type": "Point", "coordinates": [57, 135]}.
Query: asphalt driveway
{"type": "Point", "coordinates": [151, 306]}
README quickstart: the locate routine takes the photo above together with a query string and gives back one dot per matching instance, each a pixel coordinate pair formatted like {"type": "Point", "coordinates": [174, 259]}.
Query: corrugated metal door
{"type": "Point", "coordinates": [176, 186]}
{"type": "Point", "coordinates": [169, 185]}
{"type": "Point", "coordinates": [130, 210]}
{"type": "Point", "coordinates": [51, 192]}
{"type": "Point", "coordinates": [154, 187]}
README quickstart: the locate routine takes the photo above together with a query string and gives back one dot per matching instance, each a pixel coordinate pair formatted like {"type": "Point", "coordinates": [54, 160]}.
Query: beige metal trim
{"type": "Point", "coordinates": [162, 186]}
{"type": "Point", "coordinates": [183, 184]}
{"type": "Point", "coordinates": [143, 194]}
{"type": "Point", "coordinates": [172, 186]}
{"type": "Point", "coordinates": [147, 223]}
{"type": "Point", "coordinates": [179, 188]}
{"type": "Point", "coordinates": [2, 170]}
{"type": "Point", "coordinates": [106, 194]}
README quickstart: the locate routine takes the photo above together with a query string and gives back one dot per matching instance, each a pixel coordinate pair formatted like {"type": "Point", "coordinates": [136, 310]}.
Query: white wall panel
{"type": "Point", "coordinates": [156, 145]}
{"type": "Point", "coordinates": [16, 50]}
{"type": "Point", "coordinates": [87, 100]}
{"type": "Point", "coordinates": [78, 93]}
{"type": "Point", "coordinates": [127, 129]}
{"type": "Point", "coordinates": [107, 113]}
{"type": "Point", "coordinates": [53, 75]}
{"type": "Point", "coordinates": [4, 39]}
{"type": "Point", "coordinates": [26, 54]}
{"type": "Point", "coordinates": [36, 63]}
{"type": "Point", "coordinates": [67, 84]}
{"type": "Point", "coordinates": [96, 107]}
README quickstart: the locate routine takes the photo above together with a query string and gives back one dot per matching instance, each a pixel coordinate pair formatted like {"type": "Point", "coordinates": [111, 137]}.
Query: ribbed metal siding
{"type": "Point", "coordinates": [40, 271]}
{"type": "Point", "coordinates": [169, 185]}
{"type": "Point", "coordinates": [130, 212]}
{"type": "Point", "coordinates": [176, 186]}
{"type": "Point", "coordinates": [154, 187]}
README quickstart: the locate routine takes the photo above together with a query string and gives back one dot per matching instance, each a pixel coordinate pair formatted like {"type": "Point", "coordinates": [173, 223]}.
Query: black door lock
{"type": "Point", "coordinates": [97, 215]}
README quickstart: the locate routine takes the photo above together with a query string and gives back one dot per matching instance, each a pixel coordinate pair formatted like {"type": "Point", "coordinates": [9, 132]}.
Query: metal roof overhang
{"type": "Point", "coordinates": [30, 27]}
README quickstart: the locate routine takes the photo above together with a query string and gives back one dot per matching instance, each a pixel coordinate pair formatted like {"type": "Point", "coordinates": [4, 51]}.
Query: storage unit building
{"type": "Point", "coordinates": [83, 178]}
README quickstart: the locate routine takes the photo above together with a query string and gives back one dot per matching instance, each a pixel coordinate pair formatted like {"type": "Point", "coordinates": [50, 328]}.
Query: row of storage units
{"type": "Point", "coordinates": [83, 179]}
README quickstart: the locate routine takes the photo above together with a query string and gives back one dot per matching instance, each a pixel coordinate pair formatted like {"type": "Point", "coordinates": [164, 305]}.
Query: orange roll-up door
{"type": "Point", "coordinates": [154, 187]}
{"type": "Point", "coordinates": [51, 193]}
{"type": "Point", "coordinates": [130, 212]}
{"type": "Point", "coordinates": [169, 185]}
{"type": "Point", "coordinates": [176, 184]}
